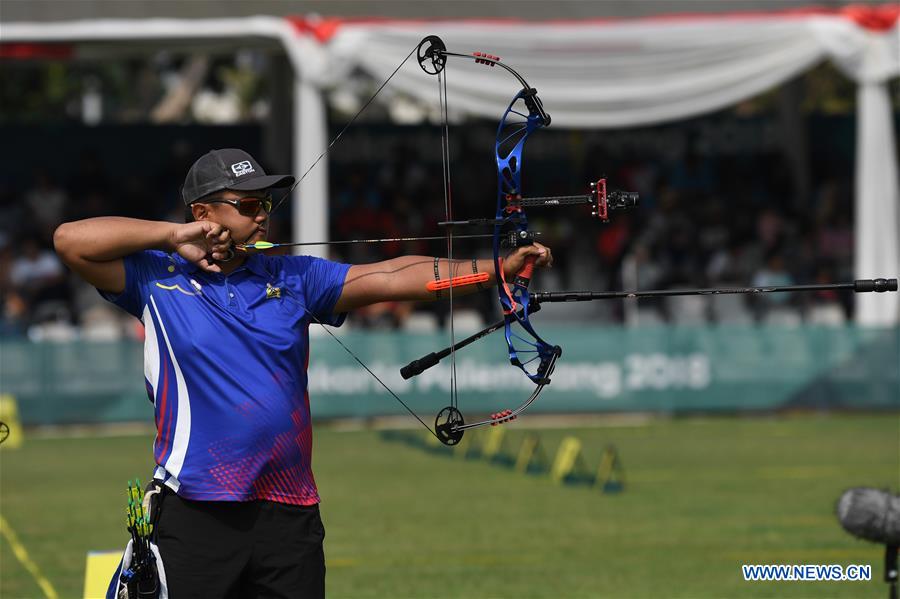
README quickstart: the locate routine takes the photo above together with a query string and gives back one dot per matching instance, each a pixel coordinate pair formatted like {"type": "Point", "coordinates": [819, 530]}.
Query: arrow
{"type": "Point", "coordinates": [268, 245]}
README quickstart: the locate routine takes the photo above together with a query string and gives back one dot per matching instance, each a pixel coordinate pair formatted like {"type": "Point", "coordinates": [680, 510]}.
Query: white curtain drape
{"type": "Point", "coordinates": [630, 73]}
{"type": "Point", "coordinates": [871, 59]}
{"type": "Point", "coordinates": [593, 75]}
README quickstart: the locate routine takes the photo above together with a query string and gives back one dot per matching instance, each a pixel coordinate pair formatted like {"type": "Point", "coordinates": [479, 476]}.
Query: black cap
{"type": "Point", "coordinates": [228, 168]}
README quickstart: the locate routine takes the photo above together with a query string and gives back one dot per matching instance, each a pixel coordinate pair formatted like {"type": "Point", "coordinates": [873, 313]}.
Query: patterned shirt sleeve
{"type": "Point", "coordinates": [322, 282]}
{"type": "Point", "coordinates": [141, 268]}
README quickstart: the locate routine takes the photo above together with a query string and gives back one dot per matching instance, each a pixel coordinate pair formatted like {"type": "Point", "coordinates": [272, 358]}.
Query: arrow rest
{"type": "Point", "coordinates": [446, 426]}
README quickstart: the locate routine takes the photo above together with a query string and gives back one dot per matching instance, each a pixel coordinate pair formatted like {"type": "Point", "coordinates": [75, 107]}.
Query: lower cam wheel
{"type": "Point", "coordinates": [446, 426]}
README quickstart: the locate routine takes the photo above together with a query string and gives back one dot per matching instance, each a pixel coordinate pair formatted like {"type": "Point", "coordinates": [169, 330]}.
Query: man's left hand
{"type": "Point", "coordinates": [515, 261]}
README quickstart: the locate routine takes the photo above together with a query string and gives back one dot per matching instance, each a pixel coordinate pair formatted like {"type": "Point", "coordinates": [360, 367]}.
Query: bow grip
{"type": "Point", "coordinates": [417, 367]}
{"type": "Point", "coordinates": [523, 277]}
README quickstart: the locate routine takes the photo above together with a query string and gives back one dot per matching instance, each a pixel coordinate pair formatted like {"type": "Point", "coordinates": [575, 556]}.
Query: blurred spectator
{"type": "Point", "coordinates": [46, 202]}
{"type": "Point", "coordinates": [136, 201]}
{"type": "Point", "coordinates": [704, 220]}
{"type": "Point", "coordinates": [93, 203]}
{"type": "Point", "coordinates": [385, 316]}
{"type": "Point", "coordinates": [641, 271]}
{"type": "Point", "coordinates": [724, 265]}
{"type": "Point", "coordinates": [770, 228]}
{"type": "Point", "coordinates": [168, 180]}
{"type": "Point", "coordinates": [14, 316]}
{"type": "Point", "coordinates": [13, 210]}
{"type": "Point", "coordinates": [772, 274]}
{"type": "Point", "coordinates": [90, 178]}
{"type": "Point", "coordinates": [693, 174]}
{"type": "Point", "coordinates": [38, 279]}
{"type": "Point", "coordinates": [836, 238]}
{"type": "Point", "coordinates": [829, 306]}
{"type": "Point", "coordinates": [714, 231]}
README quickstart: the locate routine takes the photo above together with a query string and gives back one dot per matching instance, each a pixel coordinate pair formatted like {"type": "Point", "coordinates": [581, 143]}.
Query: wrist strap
{"type": "Point", "coordinates": [475, 271]}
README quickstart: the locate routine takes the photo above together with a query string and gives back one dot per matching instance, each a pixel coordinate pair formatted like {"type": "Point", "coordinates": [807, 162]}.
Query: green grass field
{"type": "Point", "coordinates": [703, 496]}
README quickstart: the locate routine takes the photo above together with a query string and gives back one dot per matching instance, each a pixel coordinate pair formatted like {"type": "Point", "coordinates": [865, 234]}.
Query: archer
{"type": "Point", "coordinates": [226, 356]}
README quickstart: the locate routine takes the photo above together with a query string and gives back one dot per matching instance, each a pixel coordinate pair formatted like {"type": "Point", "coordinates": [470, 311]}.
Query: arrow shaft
{"type": "Point", "coordinates": [350, 241]}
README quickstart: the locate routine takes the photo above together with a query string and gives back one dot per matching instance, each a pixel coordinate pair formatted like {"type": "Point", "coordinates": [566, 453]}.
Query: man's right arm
{"type": "Point", "coordinates": [94, 247]}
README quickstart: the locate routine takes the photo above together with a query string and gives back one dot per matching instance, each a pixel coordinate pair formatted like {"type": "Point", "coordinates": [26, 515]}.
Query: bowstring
{"type": "Point", "coordinates": [347, 126]}
{"type": "Point", "coordinates": [448, 210]}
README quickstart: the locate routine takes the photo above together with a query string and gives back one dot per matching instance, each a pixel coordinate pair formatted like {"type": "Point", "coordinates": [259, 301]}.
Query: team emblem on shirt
{"type": "Point", "coordinates": [272, 292]}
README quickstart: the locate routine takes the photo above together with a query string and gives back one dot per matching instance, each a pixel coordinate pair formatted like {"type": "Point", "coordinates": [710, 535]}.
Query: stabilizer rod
{"type": "Point", "coordinates": [858, 286]}
{"type": "Point", "coordinates": [417, 367]}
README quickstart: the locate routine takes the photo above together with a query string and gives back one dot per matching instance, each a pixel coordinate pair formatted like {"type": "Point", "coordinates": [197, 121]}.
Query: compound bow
{"type": "Point", "coordinates": [527, 350]}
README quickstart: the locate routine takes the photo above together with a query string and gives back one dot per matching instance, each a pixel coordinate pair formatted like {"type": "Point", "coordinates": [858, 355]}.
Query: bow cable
{"type": "Point", "coordinates": [448, 209]}
{"type": "Point", "coordinates": [369, 370]}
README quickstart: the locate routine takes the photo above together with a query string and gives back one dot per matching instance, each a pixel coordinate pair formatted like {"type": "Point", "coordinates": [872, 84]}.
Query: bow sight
{"type": "Point", "coordinates": [598, 199]}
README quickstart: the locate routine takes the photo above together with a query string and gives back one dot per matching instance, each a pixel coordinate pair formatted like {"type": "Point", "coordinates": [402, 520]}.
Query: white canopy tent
{"type": "Point", "coordinates": [591, 74]}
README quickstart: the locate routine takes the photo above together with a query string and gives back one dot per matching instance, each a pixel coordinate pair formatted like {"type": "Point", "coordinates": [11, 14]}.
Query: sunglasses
{"type": "Point", "coordinates": [247, 206]}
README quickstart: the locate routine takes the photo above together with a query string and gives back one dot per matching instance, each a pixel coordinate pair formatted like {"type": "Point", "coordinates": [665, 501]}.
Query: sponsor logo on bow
{"type": "Point", "coordinates": [272, 292]}
{"type": "Point", "coordinates": [242, 168]}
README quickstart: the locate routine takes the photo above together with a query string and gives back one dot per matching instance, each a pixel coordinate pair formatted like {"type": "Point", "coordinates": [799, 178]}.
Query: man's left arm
{"type": "Point", "coordinates": [405, 278]}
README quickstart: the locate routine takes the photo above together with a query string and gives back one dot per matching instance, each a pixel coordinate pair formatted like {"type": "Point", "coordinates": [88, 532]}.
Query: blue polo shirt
{"type": "Point", "coordinates": [225, 361]}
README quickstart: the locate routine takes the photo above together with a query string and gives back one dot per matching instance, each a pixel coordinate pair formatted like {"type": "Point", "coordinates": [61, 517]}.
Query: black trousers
{"type": "Point", "coordinates": [240, 550]}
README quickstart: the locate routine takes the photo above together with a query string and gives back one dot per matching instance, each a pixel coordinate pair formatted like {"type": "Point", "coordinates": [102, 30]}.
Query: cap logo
{"type": "Point", "coordinates": [242, 168]}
